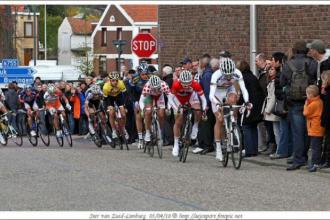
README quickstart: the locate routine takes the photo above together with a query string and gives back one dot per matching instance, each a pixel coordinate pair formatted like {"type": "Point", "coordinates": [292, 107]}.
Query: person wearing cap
{"type": "Point", "coordinates": [186, 63]}
{"type": "Point", "coordinates": [317, 51]}
{"type": "Point", "coordinates": [300, 61]}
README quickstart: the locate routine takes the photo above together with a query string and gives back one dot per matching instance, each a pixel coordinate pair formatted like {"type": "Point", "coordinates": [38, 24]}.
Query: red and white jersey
{"type": "Point", "coordinates": [148, 91]}
{"type": "Point", "coordinates": [179, 91]}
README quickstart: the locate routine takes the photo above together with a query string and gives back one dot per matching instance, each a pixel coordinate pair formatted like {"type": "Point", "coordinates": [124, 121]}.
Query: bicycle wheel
{"type": "Point", "coordinates": [156, 137]}
{"type": "Point", "coordinates": [67, 134]}
{"type": "Point", "coordinates": [105, 134]}
{"type": "Point", "coordinates": [59, 139]}
{"type": "Point", "coordinates": [125, 143]}
{"type": "Point", "coordinates": [15, 136]}
{"type": "Point", "coordinates": [225, 153]}
{"type": "Point", "coordinates": [237, 146]}
{"type": "Point", "coordinates": [32, 139]}
{"type": "Point", "coordinates": [3, 138]}
{"type": "Point", "coordinates": [186, 140]}
{"type": "Point", "coordinates": [44, 137]}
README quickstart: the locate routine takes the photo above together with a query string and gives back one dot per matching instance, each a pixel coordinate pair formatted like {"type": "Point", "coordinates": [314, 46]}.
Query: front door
{"type": "Point", "coordinates": [27, 56]}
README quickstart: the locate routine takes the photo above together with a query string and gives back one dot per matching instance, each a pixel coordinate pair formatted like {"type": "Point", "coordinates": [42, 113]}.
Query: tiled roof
{"type": "Point", "coordinates": [142, 13]}
{"type": "Point", "coordinates": [79, 26]}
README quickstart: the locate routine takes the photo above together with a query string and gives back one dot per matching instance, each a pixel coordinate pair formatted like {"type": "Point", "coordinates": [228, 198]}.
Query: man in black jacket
{"type": "Point", "coordinates": [295, 107]}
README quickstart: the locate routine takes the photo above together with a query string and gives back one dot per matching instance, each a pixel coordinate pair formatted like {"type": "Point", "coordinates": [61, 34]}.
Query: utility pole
{"type": "Point", "coordinates": [45, 38]}
{"type": "Point", "coordinates": [119, 46]}
{"type": "Point", "coordinates": [34, 35]}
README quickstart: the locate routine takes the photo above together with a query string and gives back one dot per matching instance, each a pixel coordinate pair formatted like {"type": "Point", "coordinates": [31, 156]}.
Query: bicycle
{"type": "Point", "coordinates": [101, 130]}
{"type": "Point", "coordinates": [64, 128]}
{"type": "Point", "coordinates": [186, 128]}
{"type": "Point", "coordinates": [155, 135]}
{"type": "Point", "coordinates": [8, 131]}
{"type": "Point", "coordinates": [232, 142]}
{"type": "Point", "coordinates": [120, 130]}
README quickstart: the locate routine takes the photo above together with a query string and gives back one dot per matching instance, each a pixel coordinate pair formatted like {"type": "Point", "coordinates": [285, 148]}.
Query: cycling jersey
{"type": "Point", "coordinates": [157, 94]}
{"type": "Point", "coordinates": [28, 100]}
{"type": "Point", "coordinates": [53, 101]}
{"type": "Point", "coordinates": [221, 86]}
{"type": "Point", "coordinates": [94, 100]}
{"type": "Point", "coordinates": [109, 90]}
{"type": "Point", "coordinates": [189, 94]}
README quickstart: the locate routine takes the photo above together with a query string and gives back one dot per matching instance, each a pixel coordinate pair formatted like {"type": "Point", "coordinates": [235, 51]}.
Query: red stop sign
{"type": "Point", "coordinates": [144, 45]}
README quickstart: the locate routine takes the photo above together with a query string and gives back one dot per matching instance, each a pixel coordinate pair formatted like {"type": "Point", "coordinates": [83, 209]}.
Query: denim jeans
{"type": "Point", "coordinates": [83, 124]}
{"type": "Point", "coordinates": [250, 135]}
{"type": "Point", "coordinates": [270, 132]}
{"type": "Point", "coordinates": [299, 134]}
{"type": "Point", "coordinates": [285, 143]}
{"type": "Point", "coordinates": [12, 119]}
{"type": "Point", "coordinates": [276, 129]}
{"type": "Point", "coordinates": [316, 145]}
{"type": "Point", "coordinates": [42, 119]}
{"type": "Point", "coordinates": [71, 122]}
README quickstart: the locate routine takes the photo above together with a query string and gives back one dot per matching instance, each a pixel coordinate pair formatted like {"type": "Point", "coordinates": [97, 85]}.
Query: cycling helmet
{"type": "Point", "coordinates": [28, 87]}
{"type": "Point", "coordinates": [114, 75]}
{"type": "Point", "coordinates": [95, 89]}
{"type": "Point", "coordinates": [154, 82]}
{"type": "Point", "coordinates": [142, 68]}
{"type": "Point", "coordinates": [185, 77]}
{"type": "Point", "coordinates": [51, 88]}
{"type": "Point", "coordinates": [227, 66]}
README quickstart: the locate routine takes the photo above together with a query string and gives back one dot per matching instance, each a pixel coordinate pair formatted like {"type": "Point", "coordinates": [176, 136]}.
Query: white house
{"type": "Point", "coordinates": [74, 39]}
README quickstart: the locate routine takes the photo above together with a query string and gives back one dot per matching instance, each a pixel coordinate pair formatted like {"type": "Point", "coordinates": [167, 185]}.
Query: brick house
{"type": "Point", "coordinates": [193, 30]}
{"type": "Point", "coordinates": [122, 22]}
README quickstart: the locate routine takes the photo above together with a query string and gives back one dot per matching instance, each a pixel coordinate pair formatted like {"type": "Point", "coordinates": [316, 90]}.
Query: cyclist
{"type": "Point", "coordinates": [53, 104]}
{"type": "Point", "coordinates": [153, 94]}
{"type": "Point", "coordinates": [139, 79]}
{"type": "Point", "coordinates": [223, 87]}
{"type": "Point", "coordinates": [28, 97]}
{"type": "Point", "coordinates": [3, 110]}
{"type": "Point", "coordinates": [114, 93]}
{"type": "Point", "coordinates": [94, 102]}
{"type": "Point", "coordinates": [186, 91]}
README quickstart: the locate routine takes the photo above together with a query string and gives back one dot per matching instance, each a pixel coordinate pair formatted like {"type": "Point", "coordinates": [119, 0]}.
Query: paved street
{"type": "Point", "coordinates": [87, 178]}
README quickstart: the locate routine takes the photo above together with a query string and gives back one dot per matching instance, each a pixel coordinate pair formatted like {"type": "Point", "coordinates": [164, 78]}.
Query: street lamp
{"type": "Point", "coordinates": [119, 46]}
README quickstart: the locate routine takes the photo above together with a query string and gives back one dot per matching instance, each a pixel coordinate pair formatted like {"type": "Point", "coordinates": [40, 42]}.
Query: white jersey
{"type": "Point", "coordinates": [221, 85]}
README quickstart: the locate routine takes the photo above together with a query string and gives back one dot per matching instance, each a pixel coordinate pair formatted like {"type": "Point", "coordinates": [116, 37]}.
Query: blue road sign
{"type": "Point", "coordinates": [9, 63]}
{"type": "Point", "coordinates": [22, 75]}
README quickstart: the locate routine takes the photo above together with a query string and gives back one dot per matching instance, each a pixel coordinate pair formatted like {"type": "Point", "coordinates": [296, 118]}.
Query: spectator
{"type": "Point", "coordinates": [69, 91]}
{"type": "Point", "coordinates": [11, 102]}
{"type": "Point", "coordinates": [325, 119]}
{"type": "Point", "coordinates": [256, 97]}
{"type": "Point", "coordinates": [206, 132]}
{"type": "Point", "coordinates": [284, 147]}
{"type": "Point", "coordinates": [214, 63]}
{"type": "Point", "coordinates": [265, 129]}
{"type": "Point", "coordinates": [318, 53]}
{"type": "Point", "coordinates": [269, 105]}
{"type": "Point", "coordinates": [75, 100]}
{"type": "Point", "coordinates": [83, 120]}
{"type": "Point", "coordinates": [312, 111]}
{"type": "Point", "coordinates": [88, 81]}
{"type": "Point", "coordinates": [296, 100]}
{"type": "Point", "coordinates": [37, 82]}
{"type": "Point", "coordinates": [186, 63]}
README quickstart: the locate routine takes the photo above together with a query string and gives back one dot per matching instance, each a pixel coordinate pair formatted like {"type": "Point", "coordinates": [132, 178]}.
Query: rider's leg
{"type": "Point", "coordinates": [217, 135]}
{"type": "Point", "coordinates": [176, 131]}
{"type": "Point", "coordinates": [195, 103]}
{"type": "Point", "coordinates": [147, 121]}
{"type": "Point", "coordinates": [112, 121]}
{"type": "Point", "coordinates": [91, 121]}
{"type": "Point", "coordinates": [139, 125]}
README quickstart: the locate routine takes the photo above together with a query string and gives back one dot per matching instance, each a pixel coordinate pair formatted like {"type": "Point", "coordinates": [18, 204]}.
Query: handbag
{"type": "Point", "coordinates": [280, 108]}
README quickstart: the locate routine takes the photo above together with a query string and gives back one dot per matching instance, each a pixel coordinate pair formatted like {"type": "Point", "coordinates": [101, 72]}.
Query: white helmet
{"type": "Point", "coordinates": [185, 77]}
{"type": "Point", "coordinates": [154, 82]}
{"type": "Point", "coordinates": [51, 88]}
{"type": "Point", "coordinates": [227, 66]}
{"type": "Point", "coordinates": [95, 89]}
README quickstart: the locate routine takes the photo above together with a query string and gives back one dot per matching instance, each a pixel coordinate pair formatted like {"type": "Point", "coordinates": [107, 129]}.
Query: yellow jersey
{"type": "Point", "coordinates": [109, 90]}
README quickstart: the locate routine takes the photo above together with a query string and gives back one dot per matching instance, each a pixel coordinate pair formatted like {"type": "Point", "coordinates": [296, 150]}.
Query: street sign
{"type": "Point", "coordinates": [22, 75]}
{"type": "Point", "coordinates": [9, 63]}
{"type": "Point", "coordinates": [144, 45]}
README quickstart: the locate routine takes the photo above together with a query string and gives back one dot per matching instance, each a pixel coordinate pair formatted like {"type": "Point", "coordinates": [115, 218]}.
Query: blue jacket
{"type": "Point", "coordinates": [205, 82]}
{"type": "Point", "coordinates": [82, 102]}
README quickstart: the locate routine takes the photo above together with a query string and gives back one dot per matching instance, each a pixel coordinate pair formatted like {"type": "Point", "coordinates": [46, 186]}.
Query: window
{"type": "Point", "coordinates": [145, 30]}
{"type": "Point", "coordinates": [104, 37]}
{"type": "Point", "coordinates": [102, 65]}
{"type": "Point", "coordinates": [28, 29]}
{"type": "Point", "coordinates": [119, 33]}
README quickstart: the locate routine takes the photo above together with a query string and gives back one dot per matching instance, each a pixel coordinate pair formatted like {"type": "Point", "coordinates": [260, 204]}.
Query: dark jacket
{"type": "Point", "coordinates": [298, 61]}
{"type": "Point", "coordinates": [205, 82]}
{"type": "Point", "coordinates": [263, 80]}
{"type": "Point", "coordinates": [256, 97]}
{"type": "Point", "coordinates": [11, 100]}
{"type": "Point", "coordinates": [169, 80]}
{"type": "Point", "coordinates": [325, 118]}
